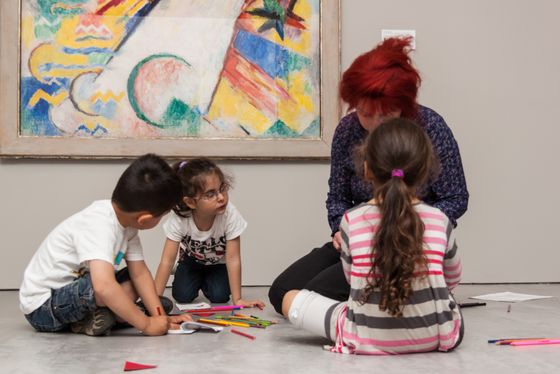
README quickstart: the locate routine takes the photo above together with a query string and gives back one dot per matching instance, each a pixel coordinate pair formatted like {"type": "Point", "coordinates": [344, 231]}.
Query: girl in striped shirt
{"type": "Point", "coordinates": [398, 255]}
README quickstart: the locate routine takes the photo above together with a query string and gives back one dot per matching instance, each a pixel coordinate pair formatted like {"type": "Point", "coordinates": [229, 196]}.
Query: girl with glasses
{"type": "Point", "coordinates": [205, 229]}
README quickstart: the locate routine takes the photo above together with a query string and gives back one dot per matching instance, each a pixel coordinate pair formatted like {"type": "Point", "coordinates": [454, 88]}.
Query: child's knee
{"type": "Point", "coordinates": [217, 296]}
{"type": "Point", "coordinates": [287, 301]}
{"type": "Point", "coordinates": [184, 295]}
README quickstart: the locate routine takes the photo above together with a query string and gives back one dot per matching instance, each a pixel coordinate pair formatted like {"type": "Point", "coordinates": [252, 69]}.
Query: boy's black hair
{"type": "Point", "coordinates": [148, 184]}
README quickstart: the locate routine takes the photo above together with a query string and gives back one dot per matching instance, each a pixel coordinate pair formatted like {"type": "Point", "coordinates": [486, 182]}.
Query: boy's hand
{"type": "Point", "coordinates": [175, 321]}
{"type": "Point", "coordinates": [251, 304]}
{"type": "Point", "coordinates": [157, 325]}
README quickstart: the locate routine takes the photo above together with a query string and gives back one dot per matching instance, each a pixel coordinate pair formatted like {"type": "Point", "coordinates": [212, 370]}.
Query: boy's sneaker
{"type": "Point", "coordinates": [166, 303]}
{"type": "Point", "coordinates": [98, 322]}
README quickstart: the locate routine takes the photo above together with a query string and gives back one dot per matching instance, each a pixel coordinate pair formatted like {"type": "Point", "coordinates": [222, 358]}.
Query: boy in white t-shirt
{"type": "Point", "coordinates": [73, 281]}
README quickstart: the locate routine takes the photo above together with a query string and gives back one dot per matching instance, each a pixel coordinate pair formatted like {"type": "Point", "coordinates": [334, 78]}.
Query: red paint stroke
{"type": "Point", "coordinates": [106, 7]}
{"type": "Point", "coordinates": [261, 89]}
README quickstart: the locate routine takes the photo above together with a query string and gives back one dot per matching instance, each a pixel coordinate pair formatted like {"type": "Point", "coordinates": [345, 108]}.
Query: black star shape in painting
{"type": "Point", "coordinates": [277, 16]}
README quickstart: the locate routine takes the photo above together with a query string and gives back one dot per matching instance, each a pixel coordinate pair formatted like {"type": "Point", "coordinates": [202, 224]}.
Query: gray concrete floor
{"type": "Point", "coordinates": [282, 349]}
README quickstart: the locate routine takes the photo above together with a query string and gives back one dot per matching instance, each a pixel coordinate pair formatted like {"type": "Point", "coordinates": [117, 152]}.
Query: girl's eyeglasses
{"type": "Point", "coordinates": [213, 194]}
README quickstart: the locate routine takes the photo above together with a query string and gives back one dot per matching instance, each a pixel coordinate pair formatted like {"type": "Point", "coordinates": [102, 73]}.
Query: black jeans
{"type": "Point", "coordinates": [320, 271]}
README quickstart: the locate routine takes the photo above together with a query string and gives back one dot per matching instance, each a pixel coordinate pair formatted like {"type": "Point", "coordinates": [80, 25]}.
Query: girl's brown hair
{"type": "Point", "coordinates": [400, 161]}
{"type": "Point", "coordinates": [193, 175]}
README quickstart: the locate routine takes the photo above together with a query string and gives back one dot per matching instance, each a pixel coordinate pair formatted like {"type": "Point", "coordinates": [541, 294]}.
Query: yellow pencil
{"type": "Point", "coordinates": [240, 324]}
{"type": "Point", "coordinates": [213, 321]}
{"type": "Point", "coordinates": [223, 323]}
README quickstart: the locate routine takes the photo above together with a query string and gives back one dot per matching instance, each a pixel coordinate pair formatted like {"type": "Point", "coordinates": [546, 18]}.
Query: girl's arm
{"type": "Point", "coordinates": [452, 267]}
{"type": "Point", "coordinates": [167, 262]}
{"type": "Point", "coordinates": [345, 256]}
{"type": "Point", "coordinates": [233, 264]}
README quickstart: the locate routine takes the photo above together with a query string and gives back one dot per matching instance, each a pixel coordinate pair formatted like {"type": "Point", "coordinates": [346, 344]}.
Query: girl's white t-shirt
{"type": "Point", "coordinates": [91, 234]}
{"type": "Point", "coordinates": [205, 247]}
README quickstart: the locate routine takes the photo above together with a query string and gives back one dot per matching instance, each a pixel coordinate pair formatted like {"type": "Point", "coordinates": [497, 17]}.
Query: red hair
{"type": "Point", "coordinates": [383, 80]}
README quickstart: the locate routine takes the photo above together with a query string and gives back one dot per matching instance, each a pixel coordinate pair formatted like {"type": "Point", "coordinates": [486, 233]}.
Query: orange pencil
{"type": "Point", "coordinates": [158, 311]}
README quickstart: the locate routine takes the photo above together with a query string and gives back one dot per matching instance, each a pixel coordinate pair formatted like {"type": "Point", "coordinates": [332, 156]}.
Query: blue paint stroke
{"type": "Point", "coordinates": [86, 51]}
{"type": "Point", "coordinates": [269, 56]}
{"type": "Point", "coordinates": [83, 130]}
{"type": "Point", "coordinates": [50, 66]}
{"type": "Point", "coordinates": [36, 121]}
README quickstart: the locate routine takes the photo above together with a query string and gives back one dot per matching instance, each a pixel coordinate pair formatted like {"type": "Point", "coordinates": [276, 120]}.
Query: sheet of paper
{"type": "Point", "coordinates": [193, 306]}
{"type": "Point", "coordinates": [190, 327]}
{"type": "Point", "coordinates": [509, 297]}
{"type": "Point", "coordinates": [180, 331]}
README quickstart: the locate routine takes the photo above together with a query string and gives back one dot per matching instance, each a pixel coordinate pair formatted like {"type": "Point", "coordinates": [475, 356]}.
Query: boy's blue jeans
{"type": "Point", "coordinates": [192, 276]}
{"type": "Point", "coordinates": [68, 304]}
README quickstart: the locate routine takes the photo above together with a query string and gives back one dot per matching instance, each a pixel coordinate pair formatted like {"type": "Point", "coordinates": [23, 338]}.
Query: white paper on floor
{"type": "Point", "coordinates": [193, 306]}
{"type": "Point", "coordinates": [509, 297]}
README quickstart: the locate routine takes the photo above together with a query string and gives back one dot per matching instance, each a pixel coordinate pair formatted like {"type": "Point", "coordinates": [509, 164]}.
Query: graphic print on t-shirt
{"type": "Point", "coordinates": [207, 252]}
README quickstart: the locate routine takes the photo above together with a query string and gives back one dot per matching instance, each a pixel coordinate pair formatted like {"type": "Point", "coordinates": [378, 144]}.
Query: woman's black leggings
{"type": "Point", "coordinates": [320, 271]}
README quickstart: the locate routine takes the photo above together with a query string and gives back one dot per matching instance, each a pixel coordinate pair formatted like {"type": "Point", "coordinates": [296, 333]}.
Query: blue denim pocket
{"type": "Point", "coordinates": [67, 304]}
{"type": "Point", "coordinates": [43, 320]}
{"type": "Point", "coordinates": [74, 301]}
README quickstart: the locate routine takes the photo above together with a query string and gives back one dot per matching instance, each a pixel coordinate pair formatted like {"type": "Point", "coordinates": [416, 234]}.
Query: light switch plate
{"type": "Point", "coordinates": [389, 33]}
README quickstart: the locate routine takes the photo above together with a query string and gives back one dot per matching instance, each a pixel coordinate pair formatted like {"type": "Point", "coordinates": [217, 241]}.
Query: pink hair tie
{"type": "Point", "coordinates": [182, 164]}
{"type": "Point", "coordinates": [399, 173]}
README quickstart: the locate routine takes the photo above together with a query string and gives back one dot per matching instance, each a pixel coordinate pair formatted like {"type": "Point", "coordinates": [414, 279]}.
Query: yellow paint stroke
{"type": "Point", "coordinates": [229, 103]}
{"type": "Point", "coordinates": [92, 123]}
{"type": "Point", "coordinates": [47, 53]}
{"type": "Point", "coordinates": [67, 34]}
{"type": "Point", "coordinates": [106, 97]}
{"type": "Point", "coordinates": [136, 7]}
{"type": "Point", "coordinates": [27, 33]}
{"type": "Point", "coordinates": [301, 106]}
{"type": "Point", "coordinates": [51, 99]}
{"type": "Point", "coordinates": [127, 8]}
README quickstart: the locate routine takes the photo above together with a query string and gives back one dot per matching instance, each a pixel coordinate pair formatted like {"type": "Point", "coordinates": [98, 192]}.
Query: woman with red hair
{"type": "Point", "coordinates": [379, 85]}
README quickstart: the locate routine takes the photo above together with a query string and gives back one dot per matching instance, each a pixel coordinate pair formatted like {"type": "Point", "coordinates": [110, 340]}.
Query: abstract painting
{"type": "Point", "coordinates": [224, 78]}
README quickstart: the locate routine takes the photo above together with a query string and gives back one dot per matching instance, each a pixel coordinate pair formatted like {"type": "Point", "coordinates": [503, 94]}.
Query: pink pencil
{"type": "Point", "coordinates": [536, 342]}
{"type": "Point", "coordinates": [243, 334]}
{"type": "Point", "coordinates": [219, 308]}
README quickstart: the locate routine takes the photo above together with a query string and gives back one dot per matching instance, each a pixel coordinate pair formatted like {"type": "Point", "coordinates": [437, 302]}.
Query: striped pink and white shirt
{"type": "Point", "coordinates": [431, 319]}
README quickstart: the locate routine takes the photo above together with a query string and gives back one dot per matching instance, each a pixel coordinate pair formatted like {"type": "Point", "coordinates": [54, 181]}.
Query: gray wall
{"type": "Point", "coordinates": [491, 68]}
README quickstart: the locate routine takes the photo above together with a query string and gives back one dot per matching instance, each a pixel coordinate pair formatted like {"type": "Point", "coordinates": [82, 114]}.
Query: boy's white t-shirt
{"type": "Point", "coordinates": [91, 234]}
{"type": "Point", "coordinates": [206, 247]}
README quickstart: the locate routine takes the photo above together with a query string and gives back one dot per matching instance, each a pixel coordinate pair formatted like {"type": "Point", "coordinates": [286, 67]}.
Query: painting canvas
{"type": "Point", "coordinates": [225, 78]}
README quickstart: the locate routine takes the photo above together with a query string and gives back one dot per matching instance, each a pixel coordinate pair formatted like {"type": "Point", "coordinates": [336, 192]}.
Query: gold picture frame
{"type": "Point", "coordinates": [14, 144]}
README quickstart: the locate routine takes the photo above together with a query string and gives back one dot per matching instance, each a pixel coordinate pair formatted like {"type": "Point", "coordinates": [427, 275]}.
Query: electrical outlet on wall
{"type": "Point", "coordinates": [390, 33]}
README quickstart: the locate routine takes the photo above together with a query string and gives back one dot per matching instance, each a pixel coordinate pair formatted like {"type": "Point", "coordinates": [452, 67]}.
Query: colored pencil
{"type": "Point", "coordinates": [220, 308]}
{"type": "Point", "coordinates": [468, 305]}
{"type": "Point", "coordinates": [509, 340]}
{"type": "Point", "coordinates": [535, 342]}
{"type": "Point", "coordinates": [243, 334]}
{"type": "Point", "coordinates": [223, 323]}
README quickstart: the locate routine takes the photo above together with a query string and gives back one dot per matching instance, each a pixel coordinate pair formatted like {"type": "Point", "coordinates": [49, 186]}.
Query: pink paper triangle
{"type": "Point", "coordinates": [129, 366]}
